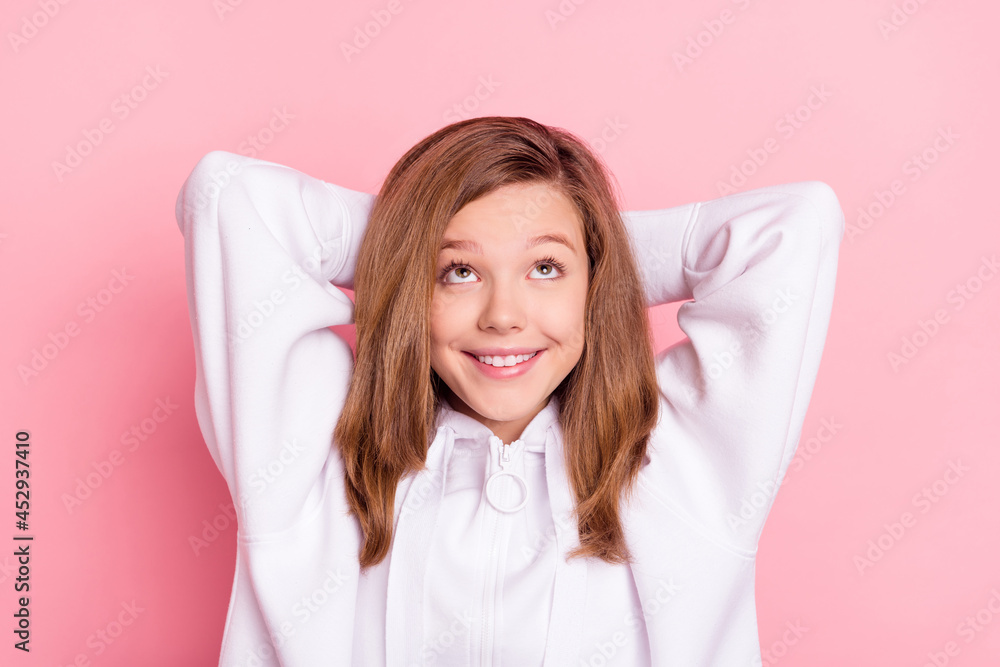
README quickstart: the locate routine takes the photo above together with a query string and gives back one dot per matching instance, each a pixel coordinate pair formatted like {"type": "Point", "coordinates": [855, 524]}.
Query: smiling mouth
{"type": "Point", "coordinates": [501, 362]}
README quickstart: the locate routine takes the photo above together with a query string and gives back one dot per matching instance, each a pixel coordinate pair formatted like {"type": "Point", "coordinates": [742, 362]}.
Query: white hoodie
{"type": "Point", "coordinates": [267, 248]}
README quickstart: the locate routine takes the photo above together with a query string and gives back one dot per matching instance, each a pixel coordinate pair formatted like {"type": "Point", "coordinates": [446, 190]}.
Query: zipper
{"type": "Point", "coordinates": [499, 502]}
{"type": "Point", "coordinates": [492, 575]}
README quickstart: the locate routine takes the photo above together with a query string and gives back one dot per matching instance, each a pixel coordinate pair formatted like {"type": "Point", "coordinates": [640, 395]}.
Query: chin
{"type": "Point", "coordinates": [498, 409]}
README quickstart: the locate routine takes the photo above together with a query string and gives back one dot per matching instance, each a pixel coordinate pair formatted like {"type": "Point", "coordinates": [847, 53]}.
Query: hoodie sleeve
{"type": "Point", "coordinates": [265, 249]}
{"type": "Point", "coordinates": [757, 272]}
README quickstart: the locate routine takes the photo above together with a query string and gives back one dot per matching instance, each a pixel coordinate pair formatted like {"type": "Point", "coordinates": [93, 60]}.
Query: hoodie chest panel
{"type": "Point", "coordinates": [490, 574]}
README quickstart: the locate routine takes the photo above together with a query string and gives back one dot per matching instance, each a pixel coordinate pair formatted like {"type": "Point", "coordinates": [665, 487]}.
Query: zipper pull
{"type": "Point", "coordinates": [504, 463]}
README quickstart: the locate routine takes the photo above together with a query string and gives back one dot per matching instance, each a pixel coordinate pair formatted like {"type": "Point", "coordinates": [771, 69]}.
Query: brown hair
{"type": "Point", "coordinates": [608, 403]}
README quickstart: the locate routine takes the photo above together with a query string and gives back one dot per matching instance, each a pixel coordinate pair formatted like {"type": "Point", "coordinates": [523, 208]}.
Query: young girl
{"type": "Point", "coordinates": [506, 474]}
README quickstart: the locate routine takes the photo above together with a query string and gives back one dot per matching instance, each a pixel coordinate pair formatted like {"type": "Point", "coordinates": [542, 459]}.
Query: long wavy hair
{"type": "Point", "coordinates": [608, 403]}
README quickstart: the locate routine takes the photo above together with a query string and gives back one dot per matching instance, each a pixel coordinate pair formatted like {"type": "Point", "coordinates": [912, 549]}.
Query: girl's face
{"type": "Point", "coordinates": [512, 278]}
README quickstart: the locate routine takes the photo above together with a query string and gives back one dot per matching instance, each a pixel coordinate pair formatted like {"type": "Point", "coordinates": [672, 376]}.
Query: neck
{"type": "Point", "coordinates": [507, 431]}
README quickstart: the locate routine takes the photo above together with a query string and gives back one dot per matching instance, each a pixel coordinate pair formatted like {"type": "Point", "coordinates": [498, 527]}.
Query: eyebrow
{"type": "Point", "coordinates": [474, 248]}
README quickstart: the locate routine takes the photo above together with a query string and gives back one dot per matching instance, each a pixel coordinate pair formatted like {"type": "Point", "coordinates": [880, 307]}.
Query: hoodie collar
{"type": "Point", "coordinates": [467, 430]}
{"type": "Point", "coordinates": [418, 514]}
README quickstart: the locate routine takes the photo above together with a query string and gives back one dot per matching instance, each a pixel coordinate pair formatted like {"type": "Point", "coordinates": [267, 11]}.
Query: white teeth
{"type": "Point", "coordinates": [509, 360]}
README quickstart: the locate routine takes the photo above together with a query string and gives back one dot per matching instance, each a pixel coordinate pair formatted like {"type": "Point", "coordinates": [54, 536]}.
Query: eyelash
{"type": "Point", "coordinates": [455, 264]}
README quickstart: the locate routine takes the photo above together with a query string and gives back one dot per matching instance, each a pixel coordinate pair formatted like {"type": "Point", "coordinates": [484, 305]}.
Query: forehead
{"type": "Point", "coordinates": [514, 212]}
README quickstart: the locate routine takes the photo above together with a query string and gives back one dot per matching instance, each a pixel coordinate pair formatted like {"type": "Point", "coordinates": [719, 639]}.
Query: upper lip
{"type": "Point", "coordinates": [503, 351]}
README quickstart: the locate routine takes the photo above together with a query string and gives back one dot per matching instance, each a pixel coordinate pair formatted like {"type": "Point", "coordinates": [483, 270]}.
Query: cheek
{"type": "Point", "coordinates": [437, 329]}
{"type": "Point", "coordinates": [438, 335]}
{"type": "Point", "coordinates": [564, 321]}
{"type": "Point", "coordinates": [446, 319]}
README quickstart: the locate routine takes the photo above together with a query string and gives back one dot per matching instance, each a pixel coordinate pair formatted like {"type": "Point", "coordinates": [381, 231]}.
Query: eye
{"type": "Point", "coordinates": [452, 266]}
{"type": "Point", "coordinates": [549, 263]}
{"type": "Point", "coordinates": [546, 264]}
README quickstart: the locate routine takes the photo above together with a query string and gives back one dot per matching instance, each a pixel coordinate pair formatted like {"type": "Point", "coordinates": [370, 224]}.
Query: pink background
{"type": "Point", "coordinates": [682, 128]}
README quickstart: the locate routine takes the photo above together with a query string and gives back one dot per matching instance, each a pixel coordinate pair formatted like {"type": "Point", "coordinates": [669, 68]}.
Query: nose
{"type": "Point", "coordinates": [504, 308]}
